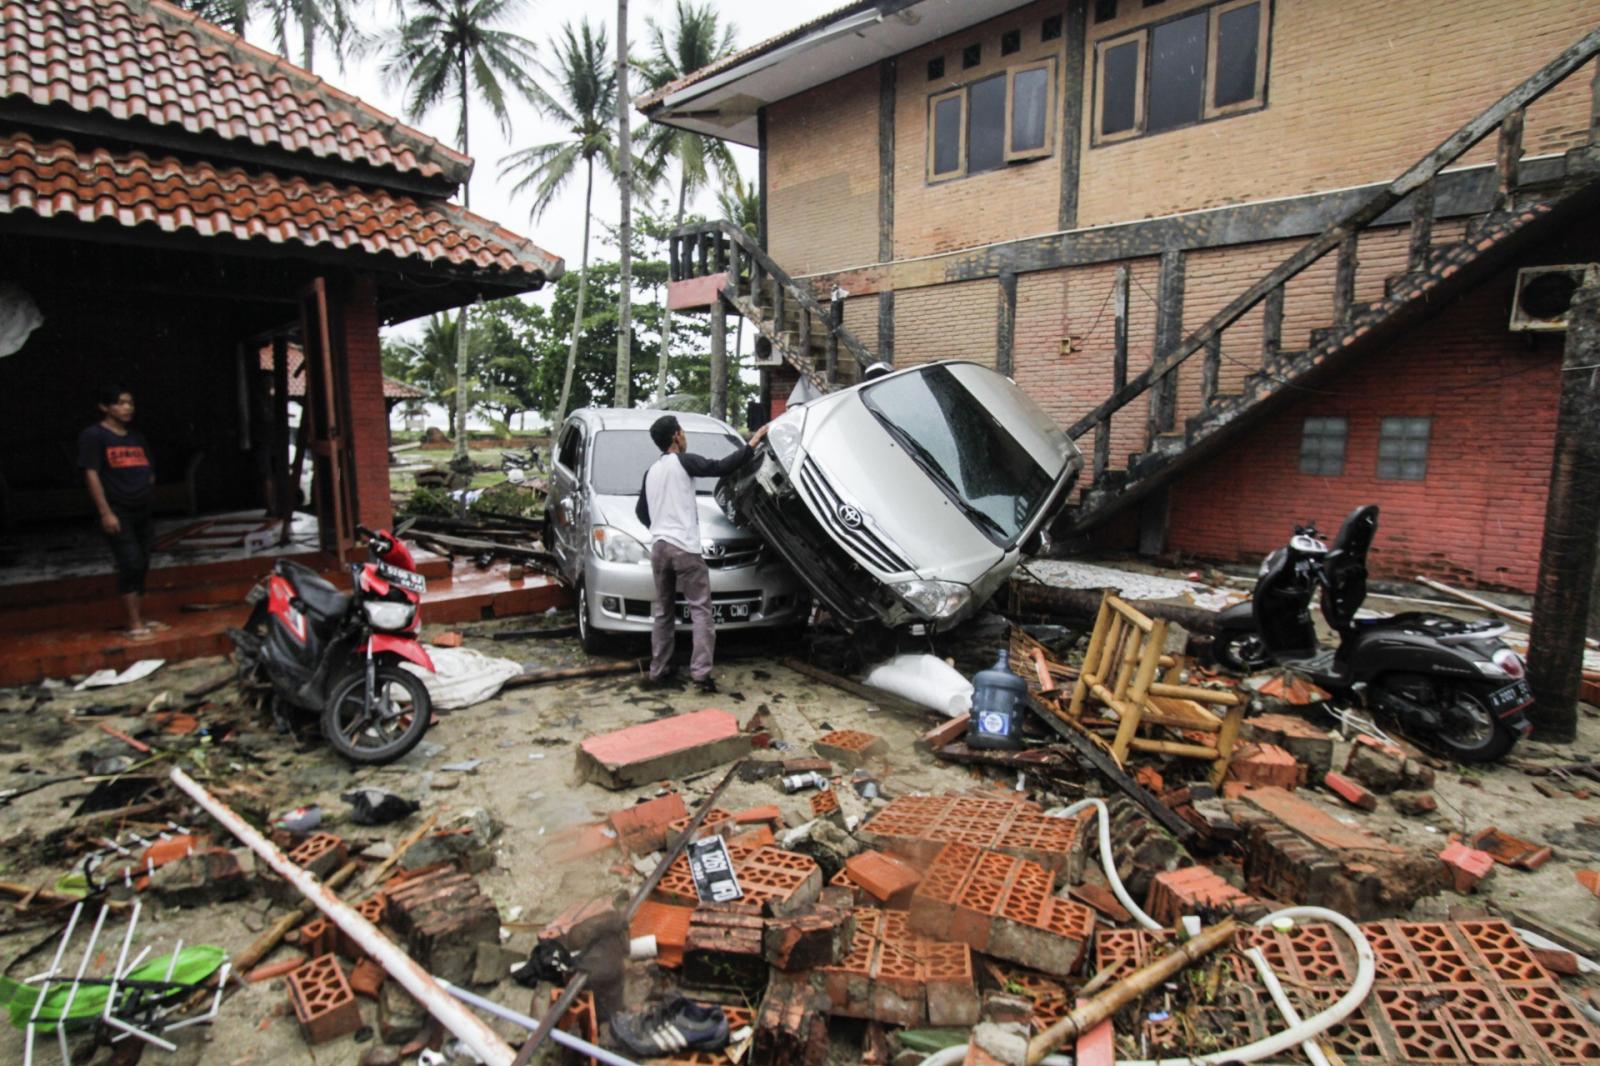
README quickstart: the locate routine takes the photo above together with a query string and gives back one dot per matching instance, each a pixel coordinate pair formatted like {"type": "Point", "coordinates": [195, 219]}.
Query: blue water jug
{"type": "Point", "coordinates": [998, 697]}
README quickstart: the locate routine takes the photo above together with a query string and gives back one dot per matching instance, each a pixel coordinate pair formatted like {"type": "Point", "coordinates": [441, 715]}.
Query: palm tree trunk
{"type": "Point", "coordinates": [583, 289]}
{"type": "Point", "coordinates": [666, 318]}
{"type": "Point", "coordinates": [625, 229]}
{"type": "Point", "coordinates": [308, 33]}
{"type": "Point", "coordinates": [461, 321]}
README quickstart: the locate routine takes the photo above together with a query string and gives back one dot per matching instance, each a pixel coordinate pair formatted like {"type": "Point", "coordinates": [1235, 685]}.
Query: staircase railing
{"type": "Point", "coordinates": [782, 309]}
{"type": "Point", "coordinates": [1506, 115]}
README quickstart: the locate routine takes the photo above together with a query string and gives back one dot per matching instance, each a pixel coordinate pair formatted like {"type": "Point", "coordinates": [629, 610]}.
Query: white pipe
{"type": "Point", "coordinates": [560, 1036]}
{"type": "Point", "coordinates": [1107, 863]}
{"type": "Point", "coordinates": [1280, 999]}
{"type": "Point", "coordinates": [466, 1026]}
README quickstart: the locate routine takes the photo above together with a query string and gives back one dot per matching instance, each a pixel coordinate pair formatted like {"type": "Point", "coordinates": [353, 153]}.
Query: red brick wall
{"type": "Point", "coordinates": [369, 421]}
{"type": "Point", "coordinates": [1477, 518]}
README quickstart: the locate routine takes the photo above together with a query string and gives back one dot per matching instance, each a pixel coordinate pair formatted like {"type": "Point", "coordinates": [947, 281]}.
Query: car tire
{"type": "Point", "coordinates": [594, 642]}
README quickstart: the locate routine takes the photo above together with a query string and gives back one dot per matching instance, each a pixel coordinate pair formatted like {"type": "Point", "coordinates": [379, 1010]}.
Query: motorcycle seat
{"type": "Point", "coordinates": [320, 596]}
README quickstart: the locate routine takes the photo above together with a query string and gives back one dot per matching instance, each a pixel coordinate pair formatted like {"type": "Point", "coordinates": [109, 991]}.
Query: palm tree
{"type": "Point", "coordinates": [451, 50]}
{"type": "Point", "coordinates": [582, 99]}
{"type": "Point", "coordinates": [328, 18]}
{"type": "Point", "coordinates": [693, 40]}
{"type": "Point", "coordinates": [229, 14]}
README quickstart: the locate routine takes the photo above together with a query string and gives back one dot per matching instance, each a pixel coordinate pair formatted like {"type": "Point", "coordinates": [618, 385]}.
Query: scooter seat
{"type": "Point", "coordinates": [320, 596]}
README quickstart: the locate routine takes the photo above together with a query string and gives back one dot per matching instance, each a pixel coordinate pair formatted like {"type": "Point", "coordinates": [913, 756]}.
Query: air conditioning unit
{"type": "Point", "coordinates": [1544, 295]}
{"type": "Point", "coordinates": [765, 353]}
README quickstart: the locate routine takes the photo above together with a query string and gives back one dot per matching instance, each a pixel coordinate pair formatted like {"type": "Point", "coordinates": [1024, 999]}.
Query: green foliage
{"type": "Point", "coordinates": [430, 503]}
{"type": "Point", "coordinates": [692, 40]}
{"type": "Point", "coordinates": [505, 498]}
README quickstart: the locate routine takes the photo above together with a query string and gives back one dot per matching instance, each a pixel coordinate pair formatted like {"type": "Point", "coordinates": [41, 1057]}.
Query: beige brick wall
{"type": "Point", "coordinates": [1017, 200]}
{"type": "Point", "coordinates": [1357, 90]}
{"type": "Point", "coordinates": [947, 322]}
{"type": "Point", "coordinates": [822, 176]}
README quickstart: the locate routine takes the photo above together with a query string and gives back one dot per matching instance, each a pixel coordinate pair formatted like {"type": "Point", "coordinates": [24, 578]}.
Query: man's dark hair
{"type": "Point", "coordinates": [108, 393]}
{"type": "Point", "coordinates": [662, 430]}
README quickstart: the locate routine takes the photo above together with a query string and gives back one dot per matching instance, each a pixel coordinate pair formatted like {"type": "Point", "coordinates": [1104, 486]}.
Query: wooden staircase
{"type": "Point", "coordinates": [1519, 214]}
{"type": "Point", "coordinates": [809, 337]}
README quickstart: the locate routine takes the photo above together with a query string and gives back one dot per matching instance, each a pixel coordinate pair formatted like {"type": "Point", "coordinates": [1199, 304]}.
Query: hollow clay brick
{"type": "Point", "coordinates": [669, 924]}
{"type": "Point", "coordinates": [850, 747]}
{"type": "Point", "coordinates": [324, 1003]}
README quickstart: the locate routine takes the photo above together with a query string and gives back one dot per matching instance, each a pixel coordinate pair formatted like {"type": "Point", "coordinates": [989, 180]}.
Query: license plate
{"type": "Point", "coordinates": [1512, 697]}
{"type": "Point", "coordinates": [406, 579]}
{"type": "Point", "coordinates": [722, 612]}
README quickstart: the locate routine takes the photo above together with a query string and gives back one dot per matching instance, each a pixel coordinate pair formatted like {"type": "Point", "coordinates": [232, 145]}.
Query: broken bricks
{"type": "Point", "coordinates": [1385, 768]}
{"type": "Point", "coordinates": [724, 949]}
{"type": "Point", "coordinates": [820, 936]}
{"type": "Point", "coordinates": [443, 917]}
{"type": "Point", "coordinates": [792, 1026]}
{"type": "Point", "coordinates": [897, 976]}
{"type": "Point", "coordinates": [849, 747]}
{"type": "Point", "coordinates": [324, 1003]}
{"type": "Point", "coordinates": [918, 827]}
{"type": "Point", "coordinates": [665, 748]}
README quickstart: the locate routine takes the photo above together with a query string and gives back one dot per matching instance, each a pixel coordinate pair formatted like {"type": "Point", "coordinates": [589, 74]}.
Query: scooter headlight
{"type": "Point", "coordinates": [382, 614]}
{"type": "Point", "coordinates": [784, 437]}
{"type": "Point", "coordinates": [934, 600]}
{"type": "Point", "coordinates": [615, 546]}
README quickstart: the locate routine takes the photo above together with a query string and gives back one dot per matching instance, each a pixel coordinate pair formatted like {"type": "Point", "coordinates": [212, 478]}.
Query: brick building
{"type": "Point", "coordinates": [1260, 256]}
{"type": "Point", "coordinates": [172, 200]}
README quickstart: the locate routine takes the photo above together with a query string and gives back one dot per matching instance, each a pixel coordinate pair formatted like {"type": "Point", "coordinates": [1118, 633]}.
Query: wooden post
{"type": "Point", "coordinates": [1119, 368]}
{"type": "Point", "coordinates": [674, 243]}
{"type": "Point", "coordinates": [719, 359]}
{"type": "Point", "coordinates": [1421, 227]}
{"type": "Point", "coordinates": [1210, 371]}
{"type": "Point", "coordinates": [1594, 107]}
{"type": "Point", "coordinates": [1572, 514]}
{"type": "Point", "coordinates": [1344, 281]}
{"type": "Point", "coordinates": [283, 493]}
{"type": "Point", "coordinates": [1508, 158]}
{"type": "Point", "coordinates": [1272, 326]}
{"type": "Point", "coordinates": [835, 320]}
{"type": "Point", "coordinates": [805, 332]}
{"type": "Point", "coordinates": [1169, 332]}
{"type": "Point", "coordinates": [1006, 322]}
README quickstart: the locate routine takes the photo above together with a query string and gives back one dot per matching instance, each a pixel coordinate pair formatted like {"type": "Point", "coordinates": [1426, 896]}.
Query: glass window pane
{"type": "Point", "coordinates": [1177, 72]}
{"type": "Point", "coordinates": [1238, 42]}
{"type": "Point", "coordinates": [1030, 97]}
{"type": "Point", "coordinates": [621, 457]}
{"type": "Point", "coordinates": [947, 135]}
{"type": "Point", "coordinates": [986, 124]}
{"type": "Point", "coordinates": [1403, 448]}
{"type": "Point", "coordinates": [1118, 87]}
{"type": "Point", "coordinates": [1322, 446]}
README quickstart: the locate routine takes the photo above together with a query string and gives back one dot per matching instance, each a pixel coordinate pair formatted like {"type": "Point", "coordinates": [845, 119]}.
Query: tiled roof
{"type": "Point", "coordinates": [149, 60]}
{"type": "Point", "coordinates": [57, 181]}
{"type": "Point", "coordinates": [392, 389]}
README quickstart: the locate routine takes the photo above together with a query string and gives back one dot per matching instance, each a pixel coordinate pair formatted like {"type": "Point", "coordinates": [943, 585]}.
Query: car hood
{"type": "Point", "coordinates": [617, 512]}
{"type": "Point", "coordinates": [866, 468]}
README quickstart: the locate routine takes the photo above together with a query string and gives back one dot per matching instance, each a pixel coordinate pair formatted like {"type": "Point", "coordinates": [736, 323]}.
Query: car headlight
{"type": "Point", "coordinates": [615, 546]}
{"type": "Point", "coordinates": [784, 437]}
{"type": "Point", "coordinates": [934, 599]}
{"type": "Point", "coordinates": [382, 614]}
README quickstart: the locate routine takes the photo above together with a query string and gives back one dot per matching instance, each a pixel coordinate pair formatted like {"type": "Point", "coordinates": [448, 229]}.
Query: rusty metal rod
{"type": "Point", "coordinates": [467, 1027]}
{"type": "Point", "coordinates": [678, 845]}
{"type": "Point", "coordinates": [547, 1024]}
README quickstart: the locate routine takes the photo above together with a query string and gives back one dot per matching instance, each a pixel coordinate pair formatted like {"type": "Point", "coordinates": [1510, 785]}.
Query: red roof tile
{"type": "Point", "coordinates": [55, 180]}
{"type": "Point", "coordinates": [148, 60]}
{"type": "Point", "coordinates": [392, 389]}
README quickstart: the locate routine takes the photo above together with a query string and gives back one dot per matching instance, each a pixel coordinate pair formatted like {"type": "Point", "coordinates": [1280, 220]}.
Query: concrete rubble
{"type": "Point", "coordinates": [892, 878]}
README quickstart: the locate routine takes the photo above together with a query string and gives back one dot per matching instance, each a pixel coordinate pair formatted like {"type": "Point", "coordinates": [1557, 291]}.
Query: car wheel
{"type": "Point", "coordinates": [594, 642]}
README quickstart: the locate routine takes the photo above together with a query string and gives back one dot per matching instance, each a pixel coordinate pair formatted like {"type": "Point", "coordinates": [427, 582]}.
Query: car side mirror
{"type": "Point", "coordinates": [1038, 544]}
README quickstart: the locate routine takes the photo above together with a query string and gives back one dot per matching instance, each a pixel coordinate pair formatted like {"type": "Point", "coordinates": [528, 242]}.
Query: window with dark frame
{"type": "Point", "coordinates": [1202, 64]}
{"type": "Point", "coordinates": [1050, 28]}
{"type": "Point", "coordinates": [1403, 448]}
{"type": "Point", "coordinates": [1322, 446]}
{"type": "Point", "coordinates": [1010, 41]}
{"type": "Point", "coordinates": [971, 56]}
{"type": "Point", "coordinates": [1105, 10]}
{"type": "Point", "coordinates": [936, 68]}
{"type": "Point", "coordinates": [1005, 117]}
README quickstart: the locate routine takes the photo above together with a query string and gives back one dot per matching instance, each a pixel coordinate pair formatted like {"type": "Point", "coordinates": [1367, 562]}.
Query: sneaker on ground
{"type": "Point", "coordinates": [673, 1027]}
{"type": "Point", "coordinates": [707, 684]}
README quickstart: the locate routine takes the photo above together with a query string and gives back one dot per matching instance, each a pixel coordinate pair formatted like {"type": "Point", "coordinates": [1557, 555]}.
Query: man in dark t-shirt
{"type": "Point", "coordinates": [116, 470]}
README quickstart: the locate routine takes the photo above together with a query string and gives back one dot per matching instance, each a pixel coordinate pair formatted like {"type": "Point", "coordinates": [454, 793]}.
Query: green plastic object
{"type": "Point", "coordinates": [195, 964]}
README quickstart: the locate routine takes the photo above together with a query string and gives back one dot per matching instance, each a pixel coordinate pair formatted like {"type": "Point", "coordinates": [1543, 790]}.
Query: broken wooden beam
{"type": "Point", "coordinates": [1083, 605]}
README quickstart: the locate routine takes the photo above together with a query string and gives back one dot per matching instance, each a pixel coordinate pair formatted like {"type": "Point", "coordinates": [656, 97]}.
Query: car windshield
{"type": "Point", "coordinates": [621, 456]}
{"type": "Point", "coordinates": [948, 417]}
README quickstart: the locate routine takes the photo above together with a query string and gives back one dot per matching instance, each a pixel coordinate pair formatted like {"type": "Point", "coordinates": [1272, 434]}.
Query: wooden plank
{"type": "Point", "coordinates": [1005, 323]}
{"type": "Point", "coordinates": [1422, 211]}
{"type": "Point", "coordinates": [1344, 280]}
{"type": "Point", "coordinates": [1211, 370]}
{"type": "Point", "coordinates": [1169, 328]}
{"type": "Point", "coordinates": [887, 76]}
{"type": "Point", "coordinates": [1076, 32]}
{"type": "Point", "coordinates": [1508, 157]}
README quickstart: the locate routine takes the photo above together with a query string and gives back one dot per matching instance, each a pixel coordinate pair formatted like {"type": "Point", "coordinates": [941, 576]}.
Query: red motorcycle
{"type": "Point", "coordinates": [339, 653]}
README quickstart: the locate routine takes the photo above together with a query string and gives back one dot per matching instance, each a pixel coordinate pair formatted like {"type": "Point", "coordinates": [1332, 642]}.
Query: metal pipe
{"type": "Point", "coordinates": [560, 1036]}
{"type": "Point", "coordinates": [466, 1026]}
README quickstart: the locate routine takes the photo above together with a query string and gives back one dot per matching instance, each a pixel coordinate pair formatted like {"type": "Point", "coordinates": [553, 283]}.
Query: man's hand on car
{"type": "Point", "coordinates": [755, 438]}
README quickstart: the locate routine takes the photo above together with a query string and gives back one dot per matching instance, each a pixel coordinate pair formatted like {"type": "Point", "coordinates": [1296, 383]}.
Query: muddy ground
{"type": "Point", "coordinates": [526, 780]}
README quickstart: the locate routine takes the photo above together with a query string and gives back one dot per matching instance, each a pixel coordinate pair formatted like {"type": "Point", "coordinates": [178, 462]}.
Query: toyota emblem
{"type": "Point", "coordinates": [714, 551]}
{"type": "Point", "coordinates": [850, 516]}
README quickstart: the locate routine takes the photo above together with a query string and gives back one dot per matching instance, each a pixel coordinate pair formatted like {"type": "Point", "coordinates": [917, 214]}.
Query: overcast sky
{"type": "Point", "coordinates": [560, 228]}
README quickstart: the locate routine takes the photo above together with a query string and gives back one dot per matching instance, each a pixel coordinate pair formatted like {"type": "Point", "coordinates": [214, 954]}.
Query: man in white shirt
{"type": "Point", "coordinates": [668, 508]}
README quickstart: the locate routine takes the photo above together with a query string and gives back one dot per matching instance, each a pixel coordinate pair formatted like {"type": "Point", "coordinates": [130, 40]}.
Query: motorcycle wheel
{"type": "Point", "coordinates": [1470, 732]}
{"type": "Point", "coordinates": [1243, 653]}
{"type": "Point", "coordinates": [400, 715]}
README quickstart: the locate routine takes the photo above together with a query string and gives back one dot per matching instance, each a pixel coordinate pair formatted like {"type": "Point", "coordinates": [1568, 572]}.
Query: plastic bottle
{"type": "Point", "coordinates": [996, 696]}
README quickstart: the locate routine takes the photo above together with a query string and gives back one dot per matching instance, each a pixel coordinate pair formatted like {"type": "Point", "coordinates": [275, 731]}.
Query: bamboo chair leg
{"type": "Point", "coordinates": [1227, 736]}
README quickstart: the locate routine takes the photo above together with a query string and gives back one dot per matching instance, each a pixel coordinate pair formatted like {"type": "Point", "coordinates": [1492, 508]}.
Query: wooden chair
{"type": "Point", "coordinates": [1119, 673]}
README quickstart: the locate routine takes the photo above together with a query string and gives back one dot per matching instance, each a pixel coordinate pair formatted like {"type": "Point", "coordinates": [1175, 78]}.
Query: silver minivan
{"type": "Point", "coordinates": [600, 457]}
{"type": "Point", "coordinates": [908, 499]}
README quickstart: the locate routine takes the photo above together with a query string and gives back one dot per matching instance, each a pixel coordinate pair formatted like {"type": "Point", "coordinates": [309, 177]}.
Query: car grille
{"type": "Point", "coordinates": [837, 579]}
{"type": "Point", "coordinates": [734, 559]}
{"type": "Point", "coordinates": [827, 504]}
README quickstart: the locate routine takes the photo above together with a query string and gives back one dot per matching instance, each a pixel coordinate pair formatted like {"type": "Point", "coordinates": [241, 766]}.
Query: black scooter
{"type": "Point", "coordinates": [1450, 684]}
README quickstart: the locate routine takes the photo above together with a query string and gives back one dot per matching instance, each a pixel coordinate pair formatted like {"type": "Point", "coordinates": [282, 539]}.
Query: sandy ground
{"type": "Point", "coordinates": [525, 740]}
